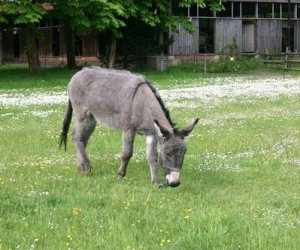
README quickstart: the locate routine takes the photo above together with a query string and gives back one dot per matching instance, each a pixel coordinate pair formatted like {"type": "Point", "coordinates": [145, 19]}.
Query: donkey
{"type": "Point", "coordinates": [127, 101]}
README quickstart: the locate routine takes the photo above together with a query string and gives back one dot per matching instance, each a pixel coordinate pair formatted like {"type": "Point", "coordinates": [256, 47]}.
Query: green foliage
{"type": "Point", "coordinates": [221, 66]}
{"type": "Point", "coordinates": [22, 12]}
{"type": "Point", "coordinates": [231, 49]}
{"type": "Point", "coordinates": [226, 66]}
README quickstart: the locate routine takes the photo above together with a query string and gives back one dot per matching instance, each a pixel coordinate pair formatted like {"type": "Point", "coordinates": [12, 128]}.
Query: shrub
{"type": "Point", "coordinates": [221, 66]}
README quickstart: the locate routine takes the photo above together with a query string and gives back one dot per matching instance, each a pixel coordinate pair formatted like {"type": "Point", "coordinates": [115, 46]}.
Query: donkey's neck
{"type": "Point", "coordinates": [160, 116]}
{"type": "Point", "coordinates": [159, 110]}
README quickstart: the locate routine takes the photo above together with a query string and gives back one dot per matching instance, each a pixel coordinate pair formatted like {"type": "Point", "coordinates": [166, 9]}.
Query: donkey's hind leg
{"type": "Point", "coordinates": [127, 149]}
{"type": "Point", "coordinates": [84, 127]}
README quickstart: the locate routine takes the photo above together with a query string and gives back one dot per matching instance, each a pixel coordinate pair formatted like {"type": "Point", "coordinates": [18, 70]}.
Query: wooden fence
{"type": "Point", "coordinates": [287, 61]}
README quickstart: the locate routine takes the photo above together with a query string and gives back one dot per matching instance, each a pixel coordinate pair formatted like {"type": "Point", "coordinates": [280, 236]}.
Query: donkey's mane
{"type": "Point", "coordinates": [161, 103]}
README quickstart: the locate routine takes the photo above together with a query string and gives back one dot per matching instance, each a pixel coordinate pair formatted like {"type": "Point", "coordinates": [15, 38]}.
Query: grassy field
{"type": "Point", "coordinates": [240, 185]}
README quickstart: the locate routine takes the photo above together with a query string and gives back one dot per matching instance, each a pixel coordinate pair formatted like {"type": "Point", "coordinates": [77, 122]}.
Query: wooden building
{"type": "Point", "coordinates": [51, 44]}
{"type": "Point", "coordinates": [249, 26]}
{"type": "Point", "coordinates": [246, 26]}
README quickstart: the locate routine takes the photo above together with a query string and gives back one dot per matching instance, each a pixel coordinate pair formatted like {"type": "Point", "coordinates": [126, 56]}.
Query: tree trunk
{"type": "Point", "coordinates": [31, 47]}
{"type": "Point", "coordinates": [70, 46]}
{"type": "Point", "coordinates": [112, 52]}
{"type": "Point", "coordinates": [161, 43]}
{"type": "Point", "coordinates": [1, 46]}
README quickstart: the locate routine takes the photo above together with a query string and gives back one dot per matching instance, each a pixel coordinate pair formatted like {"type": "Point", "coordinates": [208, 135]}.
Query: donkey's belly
{"type": "Point", "coordinates": [111, 119]}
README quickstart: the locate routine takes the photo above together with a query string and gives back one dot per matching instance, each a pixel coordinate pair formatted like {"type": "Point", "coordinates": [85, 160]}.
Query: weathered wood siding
{"type": "Point", "coordinates": [90, 44]}
{"type": "Point", "coordinates": [248, 44]}
{"type": "Point", "coordinates": [225, 32]}
{"type": "Point", "coordinates": [184, 42]}
{"type": "Point", "coordinates": [8, 41]}
{"type": "Point", "coordinates": [45, 48]}
{"type": "Point", "coordinates": [269, 36]}
{"type": "Point", "coordinates": [297, 37]}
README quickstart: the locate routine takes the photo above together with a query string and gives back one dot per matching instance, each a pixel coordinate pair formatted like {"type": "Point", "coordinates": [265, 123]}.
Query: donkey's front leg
{"type": "Point", "coordinates": [152, 157]}
{"type": "Point", "coordinates": [127, 149]}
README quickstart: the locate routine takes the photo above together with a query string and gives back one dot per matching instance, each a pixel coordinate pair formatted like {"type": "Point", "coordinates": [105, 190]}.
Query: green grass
{"type": "Point", "coordinates": [240, 182]}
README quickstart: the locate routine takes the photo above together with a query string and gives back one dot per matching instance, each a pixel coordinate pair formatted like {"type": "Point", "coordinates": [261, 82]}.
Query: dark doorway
{"type": "Point", "coordinates": [16, 41]}
{"type": "Point", "coordinates": [206, 35]}
{"type": "Point", "coordinates": [285, 38]}
{"type": "Point", "coordinates": [78, 46]}
{"type": "Point", "coordinates": [55, 41]}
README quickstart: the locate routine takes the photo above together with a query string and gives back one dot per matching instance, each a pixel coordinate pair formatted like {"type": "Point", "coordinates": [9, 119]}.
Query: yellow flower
{"type": "Point", "coordinates": [162, 242]}
{"type": "Point", "coordinates": [69, 237]}
{"type": "Point", "coordinates": [76, 211]}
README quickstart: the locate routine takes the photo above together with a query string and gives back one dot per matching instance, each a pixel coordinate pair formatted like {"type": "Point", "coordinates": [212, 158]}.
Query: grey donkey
{"type": "Point", "coordinates": [127, 101]}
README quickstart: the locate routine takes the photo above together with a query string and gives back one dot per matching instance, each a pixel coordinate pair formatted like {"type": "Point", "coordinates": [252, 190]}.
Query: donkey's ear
{"type": "Point", "coordinates": [185, 132]}
{"type": "Point", "coordinates": [161, 131]}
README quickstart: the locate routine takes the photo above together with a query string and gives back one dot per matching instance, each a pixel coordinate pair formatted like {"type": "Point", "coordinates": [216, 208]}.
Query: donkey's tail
{"type": "Point", "coordinates": [66, 125]}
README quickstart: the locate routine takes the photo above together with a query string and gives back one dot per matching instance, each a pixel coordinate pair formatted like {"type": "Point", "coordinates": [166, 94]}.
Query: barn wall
{"type": "Point", "coordinates": [8, 48]}
{"type": "Point", "coordinates": [297, 37]}
{"type": "Point", "coordinates": [225, 31]}
{"type": "Point", "coordinates": [248, 44]}
{"type": "Point", "coordinates": [45, 48]}
{"type": "Point", "coordinates": [90, 45]}
{"type": "Point", "coordinates": [184, 42]}
{"type": "Point", "coordinates": [269, 36]}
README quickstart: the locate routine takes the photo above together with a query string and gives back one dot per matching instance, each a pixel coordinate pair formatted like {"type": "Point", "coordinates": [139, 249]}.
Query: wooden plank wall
{"type": "Point", "coordinates": [248, 37]}
{"type": "Point", "coordinates": [225, 31]}
{"type": "Point", "coordinates": [269, 36]}
{"type": "Point", "coordinates": [8, 42]}
{"type": "Point", "coordinates": [45, 48]}
{"type": "Point", "coordinates": [184, 42]}
{"type": "Point", "coordinates": [297, 37]}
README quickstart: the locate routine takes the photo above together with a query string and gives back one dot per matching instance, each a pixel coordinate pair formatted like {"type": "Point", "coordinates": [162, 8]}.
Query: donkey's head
{"type": "Point", "coordinates": [172, 151]}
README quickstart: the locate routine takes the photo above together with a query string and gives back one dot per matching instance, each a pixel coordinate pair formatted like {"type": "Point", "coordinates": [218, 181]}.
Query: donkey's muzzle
{"type": "Point", "coordinates": [173, 179]}
{"type": "Point", "coordinates": [174, 184]}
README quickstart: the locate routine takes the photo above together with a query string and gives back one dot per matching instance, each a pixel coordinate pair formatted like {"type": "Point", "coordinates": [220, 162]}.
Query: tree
{"type": "Point", "coordinates": [26, 12]}
{"type": "Point", "coordinates": [1, 45]}
{"type": "Point", "coordinates": [83, 16]}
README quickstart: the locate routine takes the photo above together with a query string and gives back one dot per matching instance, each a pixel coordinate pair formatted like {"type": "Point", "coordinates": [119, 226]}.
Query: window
{"type": "Point", "coordinates": [55, 41]}
{"type": "Point", "coordinates": [193, 10]}
{"type": "Point", "coordinates": [277, 10]}
{"type": "Point", "coordinates": [78, 46]}
{"type": "Point", "coordinates": [264, 10]}
{"type": "Point", "coordinates": [236, 9]}
{"type": "Point", "coordinates": [178, 11]}
{"type": "Point", "coordinates": [16, 41]}
{"type": "Point", "coordinates": [248, 10]}
{"type": "Point", "coordinates": [227, 10]}
{"type": "Point", "coordinates": [285, 11]}
{"type": "Point", "coordinates": [206, 12]}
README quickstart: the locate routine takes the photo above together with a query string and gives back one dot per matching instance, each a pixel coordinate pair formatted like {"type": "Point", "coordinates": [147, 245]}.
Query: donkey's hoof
{"type": "Point", "coordinates": [161, 186]}
{"type": "Point", "coordinates": [121, 177]}
{"type": "Point", "coordinates": [86, 172]}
